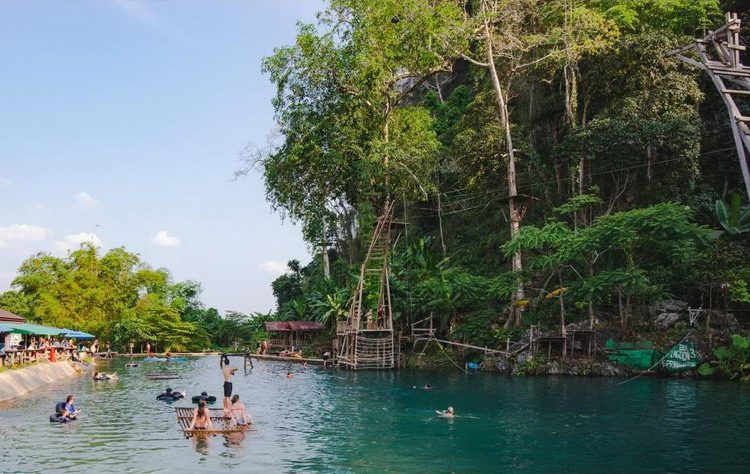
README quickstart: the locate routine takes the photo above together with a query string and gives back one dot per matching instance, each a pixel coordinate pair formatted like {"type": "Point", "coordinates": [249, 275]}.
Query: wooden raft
{"type": "Point", "coordinates": [163, 375]}
{"type": "Point", "coordinates": [225, 424]}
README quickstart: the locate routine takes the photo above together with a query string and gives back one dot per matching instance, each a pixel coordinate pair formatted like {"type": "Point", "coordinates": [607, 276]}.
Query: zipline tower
{"type": "Point", "coordinates": [719, 54]}
{"type": "Point", "coordinates": [365, 339]}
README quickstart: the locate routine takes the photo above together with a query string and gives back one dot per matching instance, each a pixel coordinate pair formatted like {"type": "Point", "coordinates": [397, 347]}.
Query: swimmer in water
{"type": "Point", "coordinates": [446, 414]}
{"type": "Point", "coordinates": [289, 375]}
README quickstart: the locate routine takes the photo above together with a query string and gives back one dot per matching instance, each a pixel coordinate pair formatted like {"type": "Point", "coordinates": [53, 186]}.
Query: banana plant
{"type": "Point", "coordinates": [733, 217]}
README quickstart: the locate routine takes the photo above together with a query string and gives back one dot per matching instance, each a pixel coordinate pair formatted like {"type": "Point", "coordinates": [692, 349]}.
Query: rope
{"type": "Point", "coordinates": [447, 356]}
{"type": "Point", "coordinates": [660, 360]}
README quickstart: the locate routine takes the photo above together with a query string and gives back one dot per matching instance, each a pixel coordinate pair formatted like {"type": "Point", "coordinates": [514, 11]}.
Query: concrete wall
{"type": "Point", "coordinates": [15, 383]}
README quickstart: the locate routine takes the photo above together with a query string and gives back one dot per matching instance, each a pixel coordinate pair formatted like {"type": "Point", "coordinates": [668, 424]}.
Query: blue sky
{"type": "Point", "coordinates": [122, 122]}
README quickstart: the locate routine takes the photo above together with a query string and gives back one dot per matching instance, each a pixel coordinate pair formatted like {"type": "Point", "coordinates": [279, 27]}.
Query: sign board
{"type": "Point", "coordinates": [681, 357]}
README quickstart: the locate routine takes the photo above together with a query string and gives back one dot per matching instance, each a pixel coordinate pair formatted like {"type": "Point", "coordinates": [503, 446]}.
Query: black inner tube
{"type": "Point", "coordinates": [205, 398]}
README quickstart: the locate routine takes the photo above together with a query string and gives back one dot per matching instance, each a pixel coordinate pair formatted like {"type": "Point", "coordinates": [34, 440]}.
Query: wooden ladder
{"type": "Point", "coordinates": [719, 53]}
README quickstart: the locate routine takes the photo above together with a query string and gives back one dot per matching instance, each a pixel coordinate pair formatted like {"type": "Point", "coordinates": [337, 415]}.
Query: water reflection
{"type": "Point", "coordinates": [200, 444]}
{"type": "Point", "coordinates": [370, 421]}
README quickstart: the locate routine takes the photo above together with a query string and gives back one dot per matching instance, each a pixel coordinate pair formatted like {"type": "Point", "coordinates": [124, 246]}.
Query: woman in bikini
{"type": "Point", "coordinates": [201, 418]}
{"type": "Point", "coordinates": [236, 410]}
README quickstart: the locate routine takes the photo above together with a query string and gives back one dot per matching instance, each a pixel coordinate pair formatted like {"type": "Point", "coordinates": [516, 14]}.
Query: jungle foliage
{"type": "Point", "coordinates": [623, 168]}
{"type": "Point", "coordinates": [122, 300]}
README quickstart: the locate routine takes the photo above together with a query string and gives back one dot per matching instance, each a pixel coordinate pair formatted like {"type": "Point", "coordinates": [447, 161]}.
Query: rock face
{"type": "Point", "coordinates": [719, 320]}
{"type": "Point", "coordinates": [500, 365]}
{"type": "Point", "coordinates": [567, 366]}
{"type": "Point", "coordinates": [667, 306]}
{"type": "Point", "coordinates": [666, 320]}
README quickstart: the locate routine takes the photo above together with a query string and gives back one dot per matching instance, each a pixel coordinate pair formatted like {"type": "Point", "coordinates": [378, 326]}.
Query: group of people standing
{"type": "Point", "coordinates": [233, 408]}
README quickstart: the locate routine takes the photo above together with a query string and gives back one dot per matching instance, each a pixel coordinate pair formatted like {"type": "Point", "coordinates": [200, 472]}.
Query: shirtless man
{"type": "Point", "coordinates": [228, 371]}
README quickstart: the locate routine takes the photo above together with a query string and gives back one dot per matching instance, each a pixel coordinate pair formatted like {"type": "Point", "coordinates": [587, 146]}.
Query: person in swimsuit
{"type": "Point", "coordinates": [237, 412]}
{"type": "Point", "coordinates": [201, 418]}
{"type": "Point", "coordinates": [228, 371]}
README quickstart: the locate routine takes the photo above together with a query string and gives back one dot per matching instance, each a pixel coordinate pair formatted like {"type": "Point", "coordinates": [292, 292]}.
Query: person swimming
{"type": "Point", "coordinates": [289, 375]}
{"type": "Point", "coordinates": [105, 376]}
{"type": "Point", "coordinates": [170, 395]}
{"type": "Point", "coordinates": [449, 413]}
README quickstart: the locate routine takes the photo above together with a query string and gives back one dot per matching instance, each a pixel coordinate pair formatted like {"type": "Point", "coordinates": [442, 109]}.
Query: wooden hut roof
{"type": "Point", "coordinates": [284, 326]}
{"type": "Point", "coordinates": [8, 317]}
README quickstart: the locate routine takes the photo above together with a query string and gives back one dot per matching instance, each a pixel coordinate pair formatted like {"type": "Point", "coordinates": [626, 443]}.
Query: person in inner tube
{"type": "Point", "coordinates": [67, 409]}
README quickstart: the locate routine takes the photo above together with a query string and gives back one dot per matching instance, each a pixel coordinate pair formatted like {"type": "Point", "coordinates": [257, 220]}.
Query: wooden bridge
{"type": "Point", "coordinates": [424, 331]}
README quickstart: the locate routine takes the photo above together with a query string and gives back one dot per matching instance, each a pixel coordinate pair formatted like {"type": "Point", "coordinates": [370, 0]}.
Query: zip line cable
{"type": "Point", "coordinates": [471, 196]}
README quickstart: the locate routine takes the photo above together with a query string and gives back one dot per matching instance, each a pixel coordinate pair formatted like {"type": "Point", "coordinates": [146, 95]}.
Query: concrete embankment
{"type": "Point", "coordinates": [16, 383]}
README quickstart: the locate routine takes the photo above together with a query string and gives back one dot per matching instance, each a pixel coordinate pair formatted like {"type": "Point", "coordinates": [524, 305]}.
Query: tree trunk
{"type": "Point", "coordinates": [515, 215]}
{"type": "Point", "coordinates": [592, 317]}
{"type": "Point", "coordinates": [326, 261]}
{"type": "Point", "coordinates": [563, 330]}
{"type": "Point", "coordinates": [440, 221]}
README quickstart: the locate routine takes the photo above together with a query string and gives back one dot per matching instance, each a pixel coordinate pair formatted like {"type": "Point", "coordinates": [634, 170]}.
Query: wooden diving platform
{"type": "Point", "coordinates": [298, 360]}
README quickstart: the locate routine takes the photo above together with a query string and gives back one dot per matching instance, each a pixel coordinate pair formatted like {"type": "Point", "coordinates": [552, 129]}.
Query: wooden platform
{"type": "Point", "coordinates": [221, 424]}
{"type": "Point", "coordinates": [281, 359]}
{"type": "Point", "coordinates": [163, 376]}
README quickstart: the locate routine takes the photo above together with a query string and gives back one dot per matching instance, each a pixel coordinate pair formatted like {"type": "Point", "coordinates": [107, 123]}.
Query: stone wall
{"type": "Point", "coordinates": [16, 383]}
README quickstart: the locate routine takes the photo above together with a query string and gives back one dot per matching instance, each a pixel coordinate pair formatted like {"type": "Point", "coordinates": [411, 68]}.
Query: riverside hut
{"type": "Point", "coordinates": [291, 334]}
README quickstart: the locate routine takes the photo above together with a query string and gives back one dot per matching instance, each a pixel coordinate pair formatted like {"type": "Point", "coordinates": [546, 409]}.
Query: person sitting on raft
{"type": "Point", "coordinates": [201, 418]}
{"type": "Point", "coordinates": [236, 411]}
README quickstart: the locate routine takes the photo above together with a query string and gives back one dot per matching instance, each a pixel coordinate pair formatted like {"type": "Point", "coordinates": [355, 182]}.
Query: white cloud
{"type": "Point", "coordinates": [86, 201]}
{"type": "Point", "coordinates": [74, 241]}
{"type": "Point", "coordinates": [142, 12]}
{"type": "Point", "coordinates": [37, 207]}
{"type": "Point", "coordinates": [137, 9]}
{"type": "Point", "coordinates": [22, 233]}
{"type": "Point", "coordinates": [163, 239]}
{"type": "Point", "coordinates": [274, 267]}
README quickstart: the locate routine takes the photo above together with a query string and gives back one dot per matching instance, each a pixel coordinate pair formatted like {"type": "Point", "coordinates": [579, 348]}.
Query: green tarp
{"type": "Point", "coordinates": [681, 357]}
{"type": "Point", "coordinates": [10, 327]}
{"type": "Point", "coordinates": [639, 355]}
{"type": "Point", "coordinates": [28, 328]}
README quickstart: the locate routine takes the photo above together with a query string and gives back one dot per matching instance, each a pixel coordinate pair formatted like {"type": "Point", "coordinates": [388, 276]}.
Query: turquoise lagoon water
{"type": "Point", "coordinates": [329, 421]}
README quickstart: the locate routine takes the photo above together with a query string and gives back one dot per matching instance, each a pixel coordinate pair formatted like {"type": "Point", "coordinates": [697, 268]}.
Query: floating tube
{"type": "Point", "coordinates": [131, 364]}
{"type": "Point", "coordinates": [59, 419]}
{"type": "Point", "coordinates": [170, 397]}
{"type": "Point", "coordinates": [164, 359]}
{"type": "Point", "coordinates": [207, 398]}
